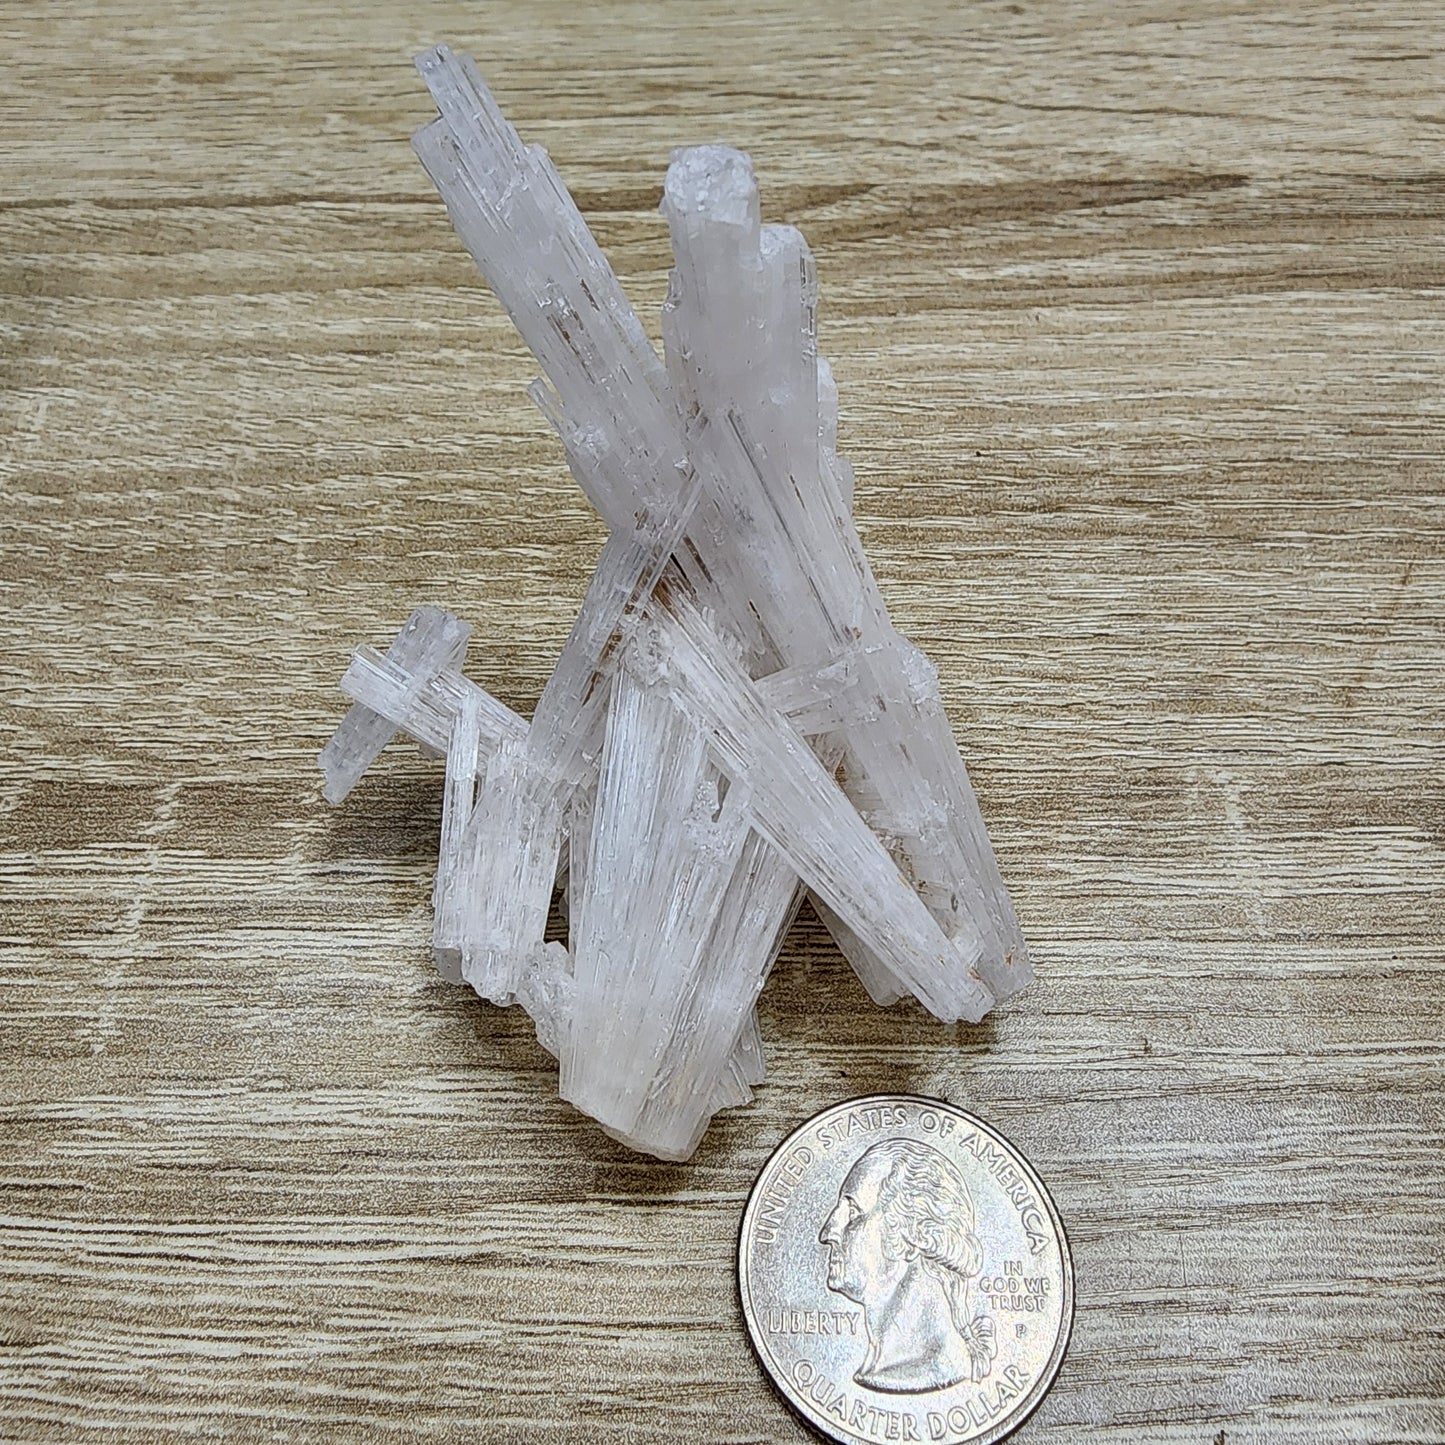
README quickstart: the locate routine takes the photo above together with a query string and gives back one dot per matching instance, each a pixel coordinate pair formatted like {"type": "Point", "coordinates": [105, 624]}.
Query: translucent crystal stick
{"type": "Point", "coordinates": [551, 1007]}
{"type": "Point", "coordinates": [759, 421]}
{"type": "Point", "coordinates": [515, 832]}
{"type": "Point", "coordinates": [662, 852]}
{"type": "Point", "coordinates": [548, 992]}
{"type": "Point", "coordinates": [425, 706]}
{"type": "Point", "coordinates": [465, 765]}
{"type": "Point", "coordinates": [527, 237]}
{"type": "Point", "coordinates": [818, 698]}
{"type": "Point", "coordinates": [607, 394]}
{"type": "Point", "coordinates": [798, 807]}
{"type": "Point", "coordinates": [430, 641]}
{"type": "Point", "coordinates": [757, 909]}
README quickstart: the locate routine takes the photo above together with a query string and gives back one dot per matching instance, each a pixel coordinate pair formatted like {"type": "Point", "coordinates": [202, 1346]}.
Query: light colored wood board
{"type": "Point", "coordinates": [1137, 314]}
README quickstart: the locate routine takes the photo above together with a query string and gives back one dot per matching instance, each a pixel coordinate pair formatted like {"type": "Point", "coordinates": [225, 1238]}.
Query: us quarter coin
{"type": "Point", "coordinates": [904, 1275]}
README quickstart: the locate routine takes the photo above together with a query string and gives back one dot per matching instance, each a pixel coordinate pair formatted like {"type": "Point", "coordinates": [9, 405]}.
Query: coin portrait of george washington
{"type": "Point", "coordinates": [901, 1243]}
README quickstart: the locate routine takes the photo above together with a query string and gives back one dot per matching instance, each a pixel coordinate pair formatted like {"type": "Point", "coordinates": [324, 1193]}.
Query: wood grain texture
{"type": "Point", "coordinates": [1136, 309]}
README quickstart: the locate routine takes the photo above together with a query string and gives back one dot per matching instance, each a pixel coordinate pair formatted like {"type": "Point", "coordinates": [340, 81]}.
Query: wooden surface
{"type": "Point", "coordinates": [1137, 315]}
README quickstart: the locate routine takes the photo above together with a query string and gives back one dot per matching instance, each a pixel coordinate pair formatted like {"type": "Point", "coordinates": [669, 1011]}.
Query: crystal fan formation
{"type": "Point", "coordinates": [733, 720]}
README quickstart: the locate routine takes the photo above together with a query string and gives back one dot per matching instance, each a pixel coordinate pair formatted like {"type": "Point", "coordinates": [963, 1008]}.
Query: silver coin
{"type": "Point", "coordinates": [904, 1275]}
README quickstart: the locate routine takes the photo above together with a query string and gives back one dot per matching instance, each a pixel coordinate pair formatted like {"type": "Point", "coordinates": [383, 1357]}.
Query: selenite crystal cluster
{"type": "Point", "coordinates": [733, 719]}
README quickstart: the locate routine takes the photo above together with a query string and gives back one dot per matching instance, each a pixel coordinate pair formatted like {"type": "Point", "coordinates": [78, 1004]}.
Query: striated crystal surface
{"type": "Point", "coordinates": [733, 720]}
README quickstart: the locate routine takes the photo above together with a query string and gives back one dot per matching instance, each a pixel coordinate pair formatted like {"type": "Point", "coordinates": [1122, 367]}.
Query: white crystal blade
{"type": "Point", "coordinates": [465, 764]}
{"type": "Point", "coordinates": [430, 641]}
{"type": "Point", "coordinates": [662, 854]}
{"type": "Point", "coordinates": [799, 808]}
